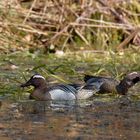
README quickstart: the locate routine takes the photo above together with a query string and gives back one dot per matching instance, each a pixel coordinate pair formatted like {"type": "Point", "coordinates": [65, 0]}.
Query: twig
{"type": "Point", "coordinates": [27, 16]}
{"type": "Point", "coordinates": [102, 26]}
{"type": "Point", "coordinates": [82, 37]}
{"type": "Point", "coordinates": [128, 39]}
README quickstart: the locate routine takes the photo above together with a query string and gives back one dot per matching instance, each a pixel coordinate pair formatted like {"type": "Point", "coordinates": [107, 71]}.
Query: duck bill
{"type": "Point", "coordinates": [28, 83]}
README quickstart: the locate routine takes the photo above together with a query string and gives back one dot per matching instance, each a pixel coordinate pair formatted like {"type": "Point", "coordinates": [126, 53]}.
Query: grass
{"type": "Point", "coordinates": [31, 25]}
{"type": "Point", "coordinates": [69, 68]}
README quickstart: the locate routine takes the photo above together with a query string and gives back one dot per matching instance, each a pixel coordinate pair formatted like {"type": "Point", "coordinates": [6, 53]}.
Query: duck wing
{"type": "Point", "coordinates": [108, 84]}
{"type": "Point", "coordinates": [88, 90]}
{"type": "Point", "coordinates": [89, 78]}
{"type": "Point", "coordinates": [63, 92]}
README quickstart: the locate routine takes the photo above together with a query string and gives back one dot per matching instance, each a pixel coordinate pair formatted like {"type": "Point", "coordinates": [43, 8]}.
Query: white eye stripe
{"type": "Point", "coordinates": [38, 76]}
{"type": "Point", "coordinates": [133, 73]}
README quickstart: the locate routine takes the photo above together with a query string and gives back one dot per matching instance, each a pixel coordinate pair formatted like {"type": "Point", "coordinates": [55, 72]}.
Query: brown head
{"type": "Point", "coordinates": [128, 81]}
{"type": "Point", "coordinates": [36, 80]}
{"type": "Point", "coordinates": [132, 78]}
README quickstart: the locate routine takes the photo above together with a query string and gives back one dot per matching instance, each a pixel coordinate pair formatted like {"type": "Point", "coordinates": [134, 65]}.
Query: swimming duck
{"type": "Point", "coordinates": [59, 92]}
{"type": "Point", "coordinates": [110, 85]}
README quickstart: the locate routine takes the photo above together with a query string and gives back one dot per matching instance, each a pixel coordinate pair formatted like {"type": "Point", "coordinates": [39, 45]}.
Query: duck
{"type": "Point", "coordinates": [111, 85]}
{"type": "Point", "coordinates": [58, 92]}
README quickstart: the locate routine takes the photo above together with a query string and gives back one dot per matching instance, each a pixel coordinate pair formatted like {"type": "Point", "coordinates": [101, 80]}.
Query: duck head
{"type": "Point", "coordinates": [128, 81]}
{"type": "Point", "coordinates": [131, 79]}
{"type": "Point", "coordinates": [36, 81]}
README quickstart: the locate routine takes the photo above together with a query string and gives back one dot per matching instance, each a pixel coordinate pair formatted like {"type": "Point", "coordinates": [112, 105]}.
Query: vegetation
{"type": "Point", "coordinates": [94, 37]}
{"type": "Point", "coordinates": [68, 24]}
{"type": "Point", "coordinates": [63, 40]}
{"type": "Point", "coordinates": [70, 68]}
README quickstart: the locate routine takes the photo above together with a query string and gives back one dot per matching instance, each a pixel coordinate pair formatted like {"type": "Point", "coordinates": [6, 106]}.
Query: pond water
{"type": "Point", "coordinates": [105, 117]}
{"type": "Point", "coordinates": [86, 120]}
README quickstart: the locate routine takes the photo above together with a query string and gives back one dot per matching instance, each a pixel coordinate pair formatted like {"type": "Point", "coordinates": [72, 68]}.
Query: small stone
{"type": "Point", "coordinates": [1, 126]}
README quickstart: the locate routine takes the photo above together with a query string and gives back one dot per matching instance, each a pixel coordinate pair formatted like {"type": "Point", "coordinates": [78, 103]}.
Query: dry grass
{"type": "Point", "coordinates": [68, 23]}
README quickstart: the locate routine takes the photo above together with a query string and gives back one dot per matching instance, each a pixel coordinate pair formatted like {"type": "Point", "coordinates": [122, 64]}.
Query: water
{"type": "Point", "coordinates": [87, 120]}
{"type": "Point", "coordinates": [105, 117]}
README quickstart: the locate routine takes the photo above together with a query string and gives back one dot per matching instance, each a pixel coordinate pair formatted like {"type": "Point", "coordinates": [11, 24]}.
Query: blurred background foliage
{"type": "Point", "coordinates": [69, 25]}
